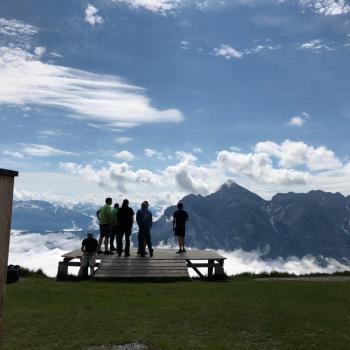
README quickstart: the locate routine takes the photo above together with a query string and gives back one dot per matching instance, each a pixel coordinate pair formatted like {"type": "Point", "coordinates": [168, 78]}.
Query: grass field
{"type": "Point", "coordinates": [234, 314]}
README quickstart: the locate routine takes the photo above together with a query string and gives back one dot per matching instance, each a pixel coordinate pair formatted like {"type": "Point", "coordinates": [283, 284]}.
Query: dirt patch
{"type": "Point", "coordinates": [130, 346]}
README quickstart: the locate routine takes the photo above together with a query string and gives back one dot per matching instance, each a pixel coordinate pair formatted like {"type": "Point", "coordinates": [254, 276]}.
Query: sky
{"type": "Point", "coordinates": [156, 99]}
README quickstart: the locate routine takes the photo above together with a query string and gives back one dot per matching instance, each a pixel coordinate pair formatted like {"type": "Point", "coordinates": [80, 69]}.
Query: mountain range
{"type": "Point", "coordinates": [290, 224]}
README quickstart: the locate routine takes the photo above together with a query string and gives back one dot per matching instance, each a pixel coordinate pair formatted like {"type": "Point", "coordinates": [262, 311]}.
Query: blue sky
{"type": "Point", "coordinates": [160, 98]}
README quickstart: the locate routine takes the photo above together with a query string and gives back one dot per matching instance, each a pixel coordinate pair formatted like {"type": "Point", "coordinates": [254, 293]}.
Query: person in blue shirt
{"type": "Point", "coordinates": [144, 220]}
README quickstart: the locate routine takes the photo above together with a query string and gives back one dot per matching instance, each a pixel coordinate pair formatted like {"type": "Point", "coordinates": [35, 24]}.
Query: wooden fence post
{"type": "Point", "coordinates": [7, 179]}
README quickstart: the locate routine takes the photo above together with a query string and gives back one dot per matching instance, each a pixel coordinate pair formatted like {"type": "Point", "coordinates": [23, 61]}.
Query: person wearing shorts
{"type": "Point", "coordinates": [89, 247]}
{"type": "Point", "coordinates": [180, 217]}
{"type": "Point", "coordinates": [104, 216]}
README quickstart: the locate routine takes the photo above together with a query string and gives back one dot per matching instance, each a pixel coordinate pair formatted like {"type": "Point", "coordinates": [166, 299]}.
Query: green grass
{"type": "Point", "coordinates": [234, 314]}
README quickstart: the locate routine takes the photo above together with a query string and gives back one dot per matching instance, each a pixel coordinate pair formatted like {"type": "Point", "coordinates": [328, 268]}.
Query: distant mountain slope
{"type": "Point", "coordinates": [41, 216]}
{"type": "Point", "coordinates": [316, 223]}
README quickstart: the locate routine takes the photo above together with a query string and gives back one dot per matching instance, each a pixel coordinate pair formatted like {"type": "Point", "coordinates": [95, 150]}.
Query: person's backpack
{"type": "Point", "coordinates": [12, 274]}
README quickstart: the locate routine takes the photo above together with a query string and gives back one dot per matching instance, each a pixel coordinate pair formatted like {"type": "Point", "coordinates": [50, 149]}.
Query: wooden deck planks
{"type": "Point", "coordinates": [164, 264]}
{"type": "Point", "coordinates": [159, 254]}
{"type": "Point", "coordinates": [114, 267]}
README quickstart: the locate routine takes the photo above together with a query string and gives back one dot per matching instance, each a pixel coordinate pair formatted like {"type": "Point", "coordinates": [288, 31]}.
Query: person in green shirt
{"type": "Point", "coordinates": [104, 216]}
{"type": "Point", "coordinates": [114, 226]}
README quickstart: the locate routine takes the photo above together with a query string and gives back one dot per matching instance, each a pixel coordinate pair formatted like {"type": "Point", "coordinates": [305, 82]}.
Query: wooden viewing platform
{"type": "Point", "coordinates": [165, 264]}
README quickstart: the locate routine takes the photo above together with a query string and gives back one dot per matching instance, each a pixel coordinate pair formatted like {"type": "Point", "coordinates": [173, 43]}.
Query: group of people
{"type": "Point", "coordinates": [116, 223]}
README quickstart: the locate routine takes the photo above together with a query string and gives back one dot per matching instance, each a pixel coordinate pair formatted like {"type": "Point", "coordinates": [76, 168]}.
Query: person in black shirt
{"type": "Point", "coordinates": [89, 247]}
{"type": "Point", "coordinates": [180, 217]}
{"type": "Point", "coordinates": [125, 218]}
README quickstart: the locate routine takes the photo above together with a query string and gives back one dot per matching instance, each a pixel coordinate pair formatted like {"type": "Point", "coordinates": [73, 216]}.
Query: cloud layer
{"type": "Point", "coordinates": [44, 251]}
{"type": "Point", "coordinates": [324, 7]}
{"type": "Point", "coordinates": [269, 167]}
{"type": "Point", "coordinates": [102, 99]}
{"type": "Point", "coordinates": [15, 27]}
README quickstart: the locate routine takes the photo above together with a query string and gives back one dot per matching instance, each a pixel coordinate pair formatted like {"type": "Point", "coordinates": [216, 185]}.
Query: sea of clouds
{"type": "Point", "coordinates": [34, 251]}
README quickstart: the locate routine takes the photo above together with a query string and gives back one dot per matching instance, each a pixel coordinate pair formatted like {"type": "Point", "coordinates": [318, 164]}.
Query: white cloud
{"type": "Point", "coordinates": [239, 261]}
{"type": "Point", "coordinates": [270, 168]}
{"type": "Point", "coordinates": [35, 150]}
{"type": "Point", "coordinates": [184, 45]}
{"type": "Point", "coordinates": [152, 153]}
{"type": "Point", "coordinates": [324, 7]}
{"type": "Point", "coordinates": [54, 132]}
{"type": "Point", "coordinates": [122, 139]}
{"type": "Point", "coordinates": [316, 46]}
{"type": "Point", "coordinates": [97, 98]}
{"type": "Point", "coordinates": [296, 121]}
{"type": "Point", "coordinates": [259, 48]}
{"type": "Point", "coordinates": [327, 7]}
{"type": "Point", "coordinates": [43, 251]}
{"type": "Point", "coordinates": [115, 176]}
{"type": "Point", "coordinates": [13, 154]}
{"type": "Point", "coordinates": [228, 52]}
{"type": "Point", "coordinates": [299, 120]}
{"type": "Point", "coordinates": [125, 155]}
{"type": "Point", "coordinates": [259, 167]}
{"type": "Point", "coordinates": [39, 51]}
{"type": "Point", "coordinates": [292, 154]}
{"type": "Point", "coordinates": [91, 15]}
{"type": "Point", "coordinates": [187, 176]}
{"type": "Point", "coordinates": [161, 6]}
{"type": "Point", "coordinates": [15, 27]}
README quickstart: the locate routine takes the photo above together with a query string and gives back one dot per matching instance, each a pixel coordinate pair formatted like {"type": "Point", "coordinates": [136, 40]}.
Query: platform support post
{"type": "Point", "coordinates": [7, 179]}
{"type": "Point", "coordinates": [219, 268]}
{"type": "Point", "coordinates": [210, 267]}
{"type": "Point", "coordinates": [62, 271]}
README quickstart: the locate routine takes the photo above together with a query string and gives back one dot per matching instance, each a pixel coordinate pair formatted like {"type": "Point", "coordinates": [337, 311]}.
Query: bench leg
{"type": "Point", "coordinates": [219, 268]}
{"type": "Point", "coordinates": [62, 271]}
{"type": "Point", "coordinates": [210, 267]}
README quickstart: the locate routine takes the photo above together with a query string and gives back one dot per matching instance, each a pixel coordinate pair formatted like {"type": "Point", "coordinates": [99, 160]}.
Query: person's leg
{"type": "Point", "coordinates": [127, 242]}
{"type": "Point", "coordinates": [139, 242]}
{"type": "Point", "coordinates": [149, 243]}
{"type": "Point", "coordinates": [120, 234]}
{"type": "Point", "coordinates": [100, 239]}
{"type": "Point", "coordinates": [179, 239]}
{"type": "Point", "coordinates": [183, 243]}
{"type": "Point", "coordinates": [107, 234]}
{"type": "Point", "coordinates": [92, 263]}
{"type": "Point", "coordinates": [113, 237]}
{"type": "Point", "coordinates": [83, 266]}
{"type": "Point", "coordinates": [142, 242]}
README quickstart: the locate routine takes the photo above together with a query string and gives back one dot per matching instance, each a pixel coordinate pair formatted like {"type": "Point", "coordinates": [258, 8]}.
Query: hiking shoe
{"type": "Point", "coordinates": [179, 251]}
{"type": "Point", "coordinates": [184, 251]}
{"type": "Point", "coordinates": [127, 254]}
{"type": "Point", "coordinates": [151, 254]}
{"type": "Point", "coordinates": [119, 254]}
{"type": "Point", "coordinates": [142, 255]}
{"type": "Point", "coordinates": [107, 252]}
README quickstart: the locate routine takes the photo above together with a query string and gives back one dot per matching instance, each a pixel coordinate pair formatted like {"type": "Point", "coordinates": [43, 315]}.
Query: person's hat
{"type": "Point", "coordinates": [90, 234]}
